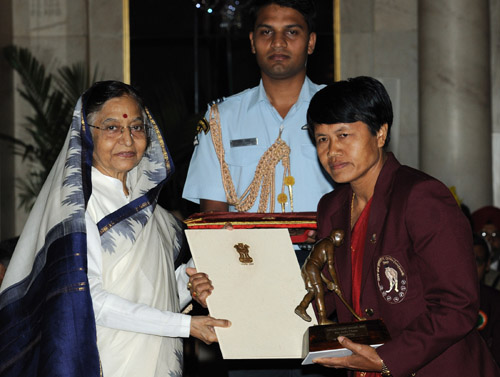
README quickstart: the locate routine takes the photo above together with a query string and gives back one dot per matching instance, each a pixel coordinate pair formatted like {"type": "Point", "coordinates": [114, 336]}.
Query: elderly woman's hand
{"type": "Point", "coordinates": [202, 327]}
{"type": "Point", "coordinates": [200, 286]}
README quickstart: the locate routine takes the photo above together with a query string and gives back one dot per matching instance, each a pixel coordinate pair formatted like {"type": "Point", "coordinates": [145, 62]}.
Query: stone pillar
{"type": "Point", "coordinates": [454, 96]}
{"type": "Point", "coordinates": [495, 95]}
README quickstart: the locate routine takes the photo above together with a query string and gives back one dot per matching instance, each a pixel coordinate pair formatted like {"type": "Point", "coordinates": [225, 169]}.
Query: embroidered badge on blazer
{"type": "Point", "coordinates": [392, 279]}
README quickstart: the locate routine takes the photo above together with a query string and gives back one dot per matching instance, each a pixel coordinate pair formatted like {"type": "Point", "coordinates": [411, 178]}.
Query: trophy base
{"type": "Point", "coordinates": [321, 341]}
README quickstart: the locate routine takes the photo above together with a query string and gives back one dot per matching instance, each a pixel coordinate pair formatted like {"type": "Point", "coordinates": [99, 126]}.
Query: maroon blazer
{"type": "Point", "coordinates": [418, 235]}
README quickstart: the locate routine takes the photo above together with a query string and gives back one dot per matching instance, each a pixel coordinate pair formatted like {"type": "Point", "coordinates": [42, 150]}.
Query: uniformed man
{"type": "Point", "coordinates": [263, 131]}
{"type": "Point", "coordinates": [270, 114]}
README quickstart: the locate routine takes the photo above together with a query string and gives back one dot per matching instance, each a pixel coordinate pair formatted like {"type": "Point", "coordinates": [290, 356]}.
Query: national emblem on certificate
{"type": "Point", "coordinates": [257, 285]}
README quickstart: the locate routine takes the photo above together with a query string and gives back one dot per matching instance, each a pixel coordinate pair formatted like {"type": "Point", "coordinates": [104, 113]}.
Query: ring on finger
{"type": "Point", "coordinates": [195, 293]}
{"type": "Point", "coordinates": [189, 285]}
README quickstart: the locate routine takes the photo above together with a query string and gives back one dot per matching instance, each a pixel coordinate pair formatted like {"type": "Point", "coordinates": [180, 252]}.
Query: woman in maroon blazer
{"type": "Point", "coordinates": [407, 255]}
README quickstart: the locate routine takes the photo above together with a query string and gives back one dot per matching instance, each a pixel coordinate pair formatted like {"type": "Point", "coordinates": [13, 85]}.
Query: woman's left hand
{"type": "Point", "coordinates": [202, 327]}
{"type": "Point", "coordinates": [363, 358]}
{"type": "Point", "coordinates": [200, 286]}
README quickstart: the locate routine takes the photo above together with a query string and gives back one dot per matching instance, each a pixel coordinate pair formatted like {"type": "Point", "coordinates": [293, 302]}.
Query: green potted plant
{"type": "Point", "coordinates": [52, 98]}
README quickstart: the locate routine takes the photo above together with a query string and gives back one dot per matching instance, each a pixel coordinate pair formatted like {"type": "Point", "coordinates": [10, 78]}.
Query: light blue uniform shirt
{"type": "Point", "coordinates": [250, 115]}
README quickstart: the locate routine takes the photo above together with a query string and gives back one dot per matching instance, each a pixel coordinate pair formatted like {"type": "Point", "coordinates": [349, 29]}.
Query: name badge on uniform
{"type": "Point", "coordinates": [243, 142]}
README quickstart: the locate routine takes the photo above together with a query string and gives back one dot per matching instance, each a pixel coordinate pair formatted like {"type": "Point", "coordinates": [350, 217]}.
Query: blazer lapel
{"type": "Point", "coordinates": [378, 213]}
{"type": "Point", "coordinates": [341, 220]}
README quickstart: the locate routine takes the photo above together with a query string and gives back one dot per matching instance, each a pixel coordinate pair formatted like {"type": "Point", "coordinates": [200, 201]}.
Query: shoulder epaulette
{"type": "Point", "coordinates": [202, 125]}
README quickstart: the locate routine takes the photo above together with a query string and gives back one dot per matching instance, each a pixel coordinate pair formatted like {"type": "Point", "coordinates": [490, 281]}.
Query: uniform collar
{"type": "Point", "coordinates": [260, 95]}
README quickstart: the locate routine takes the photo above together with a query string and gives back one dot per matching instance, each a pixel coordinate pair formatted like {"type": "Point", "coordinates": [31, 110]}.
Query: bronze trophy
{"type": "Point", "coordinates": [322, 340]}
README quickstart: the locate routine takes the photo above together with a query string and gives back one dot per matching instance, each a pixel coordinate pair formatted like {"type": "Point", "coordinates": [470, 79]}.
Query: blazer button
{"type": "Point", "coordinates": [369, 312]}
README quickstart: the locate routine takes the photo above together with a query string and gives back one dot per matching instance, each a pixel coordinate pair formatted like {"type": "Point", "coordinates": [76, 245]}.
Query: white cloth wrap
{"type": "Point", "coordinates": [134, 290]}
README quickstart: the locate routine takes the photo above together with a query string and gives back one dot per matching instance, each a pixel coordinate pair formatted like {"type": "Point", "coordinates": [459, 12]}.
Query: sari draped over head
{"type": "Point", "coordinates": [47, 323]}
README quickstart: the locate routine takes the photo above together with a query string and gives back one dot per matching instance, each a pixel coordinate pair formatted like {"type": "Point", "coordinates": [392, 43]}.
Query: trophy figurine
{"type": "Point", "coordinates": [321, 254]}
{"type": "Point", "coordinates": [323, 338]}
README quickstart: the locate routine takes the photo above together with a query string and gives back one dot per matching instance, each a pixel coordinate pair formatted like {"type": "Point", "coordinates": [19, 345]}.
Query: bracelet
{"type": "Point", "coordinates": [385, 371]}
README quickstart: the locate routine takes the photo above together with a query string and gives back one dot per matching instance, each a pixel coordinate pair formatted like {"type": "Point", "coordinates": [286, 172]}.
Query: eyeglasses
{"type": "Point", "coordinates": [489, 234]}
{"type": "Point", "coordinates": [138, 131]}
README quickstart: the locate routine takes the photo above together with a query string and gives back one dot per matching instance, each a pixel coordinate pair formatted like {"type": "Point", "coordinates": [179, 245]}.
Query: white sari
{"type": "Point", "coordinates": [141, 271]}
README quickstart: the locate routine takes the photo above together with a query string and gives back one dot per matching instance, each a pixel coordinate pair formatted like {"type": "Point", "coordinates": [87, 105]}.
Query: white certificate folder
{"type": "Point", "coordinates": [258, 297]}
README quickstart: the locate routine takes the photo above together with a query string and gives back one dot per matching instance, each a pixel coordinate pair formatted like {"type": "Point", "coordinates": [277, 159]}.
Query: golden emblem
{"type": "Point", "coordinates": [242, 249]}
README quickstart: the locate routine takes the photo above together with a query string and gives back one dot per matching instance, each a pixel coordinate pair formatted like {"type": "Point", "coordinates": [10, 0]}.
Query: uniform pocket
{"type": "Point", "coordinates": [244, 156]}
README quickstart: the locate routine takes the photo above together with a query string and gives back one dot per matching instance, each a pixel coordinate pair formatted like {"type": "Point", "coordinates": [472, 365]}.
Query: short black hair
{"type": "Point", "coordinates": [305, 7]}
{"type": "Point", "coordinates": [96, 96]}
{"type": "Point", "coordinates": [356, 99]}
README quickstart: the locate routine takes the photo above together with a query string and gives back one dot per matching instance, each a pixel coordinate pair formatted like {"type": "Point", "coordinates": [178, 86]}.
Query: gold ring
{"type": "Point", "coordinates": [195, 293]}
{"type": "Point", "coordinates": [189, 285]}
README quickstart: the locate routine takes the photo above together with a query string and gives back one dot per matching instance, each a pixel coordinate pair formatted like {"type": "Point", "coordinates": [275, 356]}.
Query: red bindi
{"type": "Point", "coordinates": [125, 115]}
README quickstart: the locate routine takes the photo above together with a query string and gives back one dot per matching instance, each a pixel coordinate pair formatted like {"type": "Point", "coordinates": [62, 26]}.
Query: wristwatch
{"type": "Point", "coordinates": [385, 371]}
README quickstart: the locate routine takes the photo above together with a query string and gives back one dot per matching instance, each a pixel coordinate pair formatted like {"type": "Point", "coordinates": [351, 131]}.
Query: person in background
{"type": "Point", "coordinates": [399, 219]}
{"type": "Point", "coordinates": [486, 222]}
{"type": "Point", "coordinates": [93, 287]}
{"type": "Point", "coordinates": [489, 308]}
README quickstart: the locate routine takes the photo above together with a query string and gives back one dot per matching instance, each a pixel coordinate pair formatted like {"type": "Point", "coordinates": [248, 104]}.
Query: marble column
{"type": "Point", "coordinates": [454, 96]}
{"type": "Point", "coordinates": [495, 95]}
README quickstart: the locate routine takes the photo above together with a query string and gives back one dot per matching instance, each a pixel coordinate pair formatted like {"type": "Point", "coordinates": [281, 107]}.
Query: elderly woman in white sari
{"type": "Point", "coordinates": [92, 288]}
